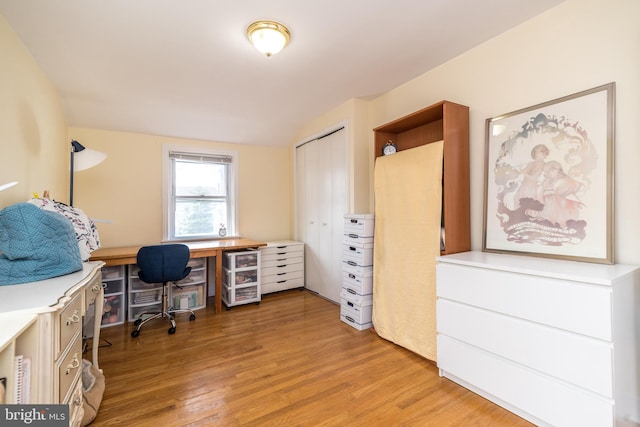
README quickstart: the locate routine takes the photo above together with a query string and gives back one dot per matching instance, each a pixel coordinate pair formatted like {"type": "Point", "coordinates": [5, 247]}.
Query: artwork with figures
{"type": "Point", "coordinates": [548, 189]}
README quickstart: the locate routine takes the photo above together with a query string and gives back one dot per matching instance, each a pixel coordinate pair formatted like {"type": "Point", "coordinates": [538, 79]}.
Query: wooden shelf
{"type": "Point", "coordinates": [448, 122]}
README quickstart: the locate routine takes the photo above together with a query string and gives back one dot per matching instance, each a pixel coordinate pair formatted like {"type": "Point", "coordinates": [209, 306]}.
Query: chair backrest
{"type": "Point", "coordinates": [163, 263]}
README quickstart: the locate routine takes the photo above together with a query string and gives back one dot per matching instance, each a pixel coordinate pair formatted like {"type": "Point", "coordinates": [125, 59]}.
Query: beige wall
{"type": "Point", "coordinates": [33, 132]}
{"type": "Point", "coordinates": [577, 45]}
{"type": "Point", "coordinates": [127, 187]}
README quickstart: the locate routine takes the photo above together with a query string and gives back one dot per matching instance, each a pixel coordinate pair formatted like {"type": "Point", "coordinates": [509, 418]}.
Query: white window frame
{"type": "Point", "coordinates": [233, 229]}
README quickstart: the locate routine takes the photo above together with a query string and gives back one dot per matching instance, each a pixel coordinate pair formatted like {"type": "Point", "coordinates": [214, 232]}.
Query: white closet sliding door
{"type": "Point", "coordinates": [322, 185]}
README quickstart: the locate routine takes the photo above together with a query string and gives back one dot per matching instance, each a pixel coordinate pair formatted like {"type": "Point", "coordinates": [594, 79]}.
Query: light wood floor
{"type": "Point", "coordinates": [288, 361]}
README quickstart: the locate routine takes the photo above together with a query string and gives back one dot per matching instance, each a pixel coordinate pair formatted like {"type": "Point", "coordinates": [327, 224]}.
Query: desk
{"type": "Point", "coordinates": [43, 321]}
{"type": "Point", "coordinates": [213, 248]}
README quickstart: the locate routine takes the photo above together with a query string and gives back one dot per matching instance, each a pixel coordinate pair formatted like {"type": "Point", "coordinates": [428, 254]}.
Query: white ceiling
{"type": "Point", "coordinates": [184, 68]}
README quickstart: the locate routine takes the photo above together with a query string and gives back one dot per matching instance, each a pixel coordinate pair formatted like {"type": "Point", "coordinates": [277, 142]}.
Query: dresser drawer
{"type": "Point", "coordinates": [70, 321]}
{"type": "Point", "coordinates": [275, 262]}
{"type": "Point", "coordinates": [92, 291]}
{"type": "Point", "coordinates": [572, 306]}
{"type": "Point", "coordinates": [266, 288]}
{"type": "Point", "coordinates": [553, 402]}
{"type": "Point", "coordinates": [282, 277]}
{"type": "Point", "coordinates": [282, 268]}
{"type": "Point", "coordinates": [560, 354]}
{"type": "Point", "coordinates": [295, 249]}
{"type": "Point", "coordinates": [69, 369]}
{"type": "Point", "coordinates": [76, 409]}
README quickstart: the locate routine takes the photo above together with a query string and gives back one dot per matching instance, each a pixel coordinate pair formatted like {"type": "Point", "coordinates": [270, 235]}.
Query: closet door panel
{"type": "Point", "coordinates": [323, 199]}
{"type": "Point", "coordinates": [339, 207]}
{"type": "Point", "coordinates": [313, 267]}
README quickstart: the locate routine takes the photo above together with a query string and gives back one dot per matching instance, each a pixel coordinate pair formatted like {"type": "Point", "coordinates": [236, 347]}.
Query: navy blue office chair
{"type": "Point", "coordinates": [162, 264]}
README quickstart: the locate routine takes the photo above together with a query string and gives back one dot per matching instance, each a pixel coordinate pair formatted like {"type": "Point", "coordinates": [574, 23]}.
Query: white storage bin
{"type": "Point", "coordinates": [358, 270]}
{"type": "Point", "coordinates": [362, 313]}
{"type": "Point", "coordinates": [196, 263]}
{"type": "Point", "coordinates": [112, 272]}
{"type": "Point", "coordinates": [146, 297]}
{"type": "Point", "coordinates": [136, 284]}
{"type": "Point", "coordinates": [360, 253]}
{"type": "Point", "coordinates": [350, 295]}
{"type": "Point", "coordinates": [136, 311]}
{"type": "Point", "coordinates": [356, 238]}
{"type": "Point", "coordinates": [235, 278]}
{"type": "Point", "coordinates": [355, 319]}
{"type": "Point", "coordinates": [359, 224]}
{"type": "Point", "coordinates": [113, 286]}
{"type": "Point", "coordinates": [196, 276]}
{"type": "Point", "coordinates": [241, 259]}
{"type": "Point", "coordinates": [354, 324]}
{"type": "Point", "coordinates": [237, 296]}
{"type": "Point", "coordinates": [361, 284]}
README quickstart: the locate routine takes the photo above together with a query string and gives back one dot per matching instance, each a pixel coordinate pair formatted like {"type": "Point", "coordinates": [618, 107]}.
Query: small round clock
{"type": "Point", "coordinates": [389, 148]}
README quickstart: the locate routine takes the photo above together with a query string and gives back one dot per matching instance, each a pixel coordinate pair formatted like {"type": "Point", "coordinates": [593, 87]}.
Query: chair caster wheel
{"type": "Point", "coordinates": [135, 333]}
{"type": "Point", "coordinates": [172, 331]}
{"type": "Point", "coordinates": [192, 317]}
{"type": "Point", "coordinates": [137, 322]}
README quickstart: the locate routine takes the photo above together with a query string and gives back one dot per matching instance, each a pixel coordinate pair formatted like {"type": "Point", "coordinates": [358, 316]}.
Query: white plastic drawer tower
{"type": "Point", "coordinates": [241, 277]}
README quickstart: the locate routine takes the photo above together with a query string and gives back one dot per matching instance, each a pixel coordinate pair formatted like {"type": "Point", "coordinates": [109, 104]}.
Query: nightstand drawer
{"type": "Point", "coordinates": [69, 370]}
{"type": "Point", "coordinates": [70, 321]}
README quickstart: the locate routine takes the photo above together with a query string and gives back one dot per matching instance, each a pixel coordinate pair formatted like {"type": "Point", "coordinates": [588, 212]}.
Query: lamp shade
{"type": "Point", "coordinates": [268, 37]}
{"type": "Point", "coordinates": [8, 185]}
{"type": "Point", "coordinates": [85, 158]}
{"type": "Point", "coordinates": [82, 158]}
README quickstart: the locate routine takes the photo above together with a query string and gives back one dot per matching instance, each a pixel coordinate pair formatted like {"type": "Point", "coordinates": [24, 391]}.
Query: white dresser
{"type": "Point", "coordinates": [282, 265]}
{"type": "Point", "coordinates": [356, 298]}
{"type": "Point", "coordinates": [553, 341]}
{"type": "Point", "coordinates": [46, 318]}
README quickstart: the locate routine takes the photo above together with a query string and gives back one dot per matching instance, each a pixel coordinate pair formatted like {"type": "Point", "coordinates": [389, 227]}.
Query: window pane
{"type": "Point", "coordinates": [200, 179]}
{"type": "Point", "coordinates": [196, 217]}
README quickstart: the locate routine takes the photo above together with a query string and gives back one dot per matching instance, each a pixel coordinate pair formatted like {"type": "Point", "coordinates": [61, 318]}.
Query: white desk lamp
{"type": "Point", "coordinates": [82, 158]}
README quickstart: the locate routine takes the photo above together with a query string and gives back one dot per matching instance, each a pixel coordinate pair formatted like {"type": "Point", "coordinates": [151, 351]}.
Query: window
{"type": "Point", "coordinates": [199, 193]}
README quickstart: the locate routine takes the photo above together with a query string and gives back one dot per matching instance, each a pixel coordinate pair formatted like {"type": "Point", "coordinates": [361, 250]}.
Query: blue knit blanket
{"type": "Point", "coordinates": [35, 245]}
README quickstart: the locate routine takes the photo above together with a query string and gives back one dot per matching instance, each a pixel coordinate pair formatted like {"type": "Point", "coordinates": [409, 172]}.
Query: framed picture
{"type": "Point", "coordinates": [549, 179]}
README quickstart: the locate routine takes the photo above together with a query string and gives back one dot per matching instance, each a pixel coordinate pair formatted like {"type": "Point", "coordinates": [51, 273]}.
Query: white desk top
{"type": "Point", "coordinates": [43, 295]}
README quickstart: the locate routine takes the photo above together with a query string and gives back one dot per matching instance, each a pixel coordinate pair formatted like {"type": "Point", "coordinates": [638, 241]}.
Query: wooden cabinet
{"type": "Point", "coordinates": [448, 122]}
{"type": "Point", "coordinates": [553, 341]}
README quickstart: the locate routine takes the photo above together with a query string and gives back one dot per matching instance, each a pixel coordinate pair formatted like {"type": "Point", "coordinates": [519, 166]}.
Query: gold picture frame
{"type": "Point", "coordinates": [549, 179]}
